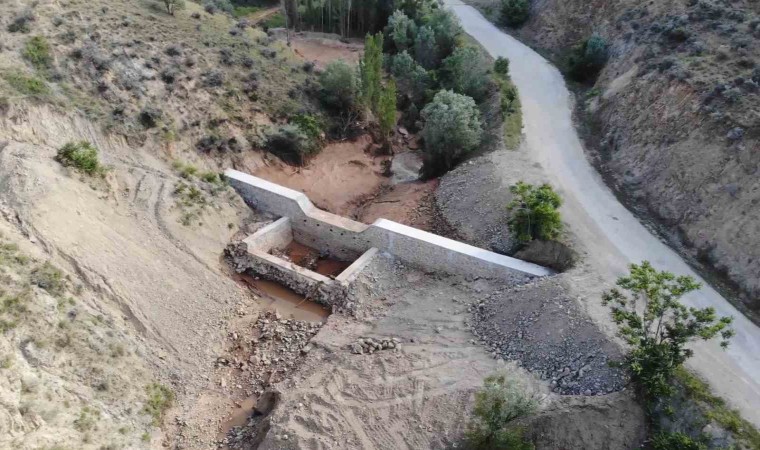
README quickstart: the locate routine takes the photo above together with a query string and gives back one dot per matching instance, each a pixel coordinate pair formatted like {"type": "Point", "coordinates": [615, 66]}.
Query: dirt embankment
{"type": "Point", "coordinates": [672, 118]}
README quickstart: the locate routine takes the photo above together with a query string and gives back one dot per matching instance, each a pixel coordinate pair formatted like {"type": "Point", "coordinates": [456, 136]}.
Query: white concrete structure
{"type": "Point", "coordinates": [347, 239]}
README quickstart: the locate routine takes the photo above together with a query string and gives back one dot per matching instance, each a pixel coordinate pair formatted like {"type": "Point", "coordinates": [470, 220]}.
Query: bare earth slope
{"type": "Point", "coordinates": [610, 235]}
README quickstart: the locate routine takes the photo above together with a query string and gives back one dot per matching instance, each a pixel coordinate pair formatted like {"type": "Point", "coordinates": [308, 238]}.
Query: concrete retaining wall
{"type": "Point", "coordinates": [348, 239]}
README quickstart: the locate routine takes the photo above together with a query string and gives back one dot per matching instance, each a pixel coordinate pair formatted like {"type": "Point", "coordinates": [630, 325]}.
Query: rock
{"type": "Point", "coordinates": [735, 134]}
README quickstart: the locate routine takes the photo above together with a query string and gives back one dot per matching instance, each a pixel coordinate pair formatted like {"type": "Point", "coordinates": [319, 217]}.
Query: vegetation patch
{"type": "Point", "coordinates": [535, 212]}
{"type": "Point", "coordinates": [39, 54]}
{"type": "Point", "coordinates": [27, 85]}
{"type": "Point", "coordinates": [160, 398]}
{"type": "Point", "coordinates": [497, 406]}
{"type": "Point", "coordinates": [515, 12]}
{"type": "Point", "coordinates": [511, 109]}
{"type": "Point", "coordinates": [715, 408]}
{"type": "Point", "coordinates": [49, 278]}
{"type": "Point", "coordinates": [82, 156]}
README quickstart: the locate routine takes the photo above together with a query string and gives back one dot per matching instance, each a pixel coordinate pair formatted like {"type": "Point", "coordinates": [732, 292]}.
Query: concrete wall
{"type": "Point", "coordinates": [277, 234]}
{"type": "Point", "coordinates": [348, 239]}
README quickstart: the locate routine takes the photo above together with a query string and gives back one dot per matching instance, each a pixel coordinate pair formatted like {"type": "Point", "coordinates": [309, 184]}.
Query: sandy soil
{"type": "Point", "coordinates": [340, 178]}
{"type": "Point", "coordinates": [418, 396]}
{"type": "Point", "coordinates": [121, 238]}
{"type": "Point", "coordinates": [322, 51]}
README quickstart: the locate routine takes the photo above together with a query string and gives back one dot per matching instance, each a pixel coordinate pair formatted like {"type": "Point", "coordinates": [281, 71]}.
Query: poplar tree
{"type": "Point", "coordinates": [387, 110]}
{"type": "Point", "coordinates": [371, 71]}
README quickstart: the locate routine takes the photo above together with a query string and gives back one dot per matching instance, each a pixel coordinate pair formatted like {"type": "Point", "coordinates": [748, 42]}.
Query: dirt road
{"type": "Point", "coordinates": [610, 234]}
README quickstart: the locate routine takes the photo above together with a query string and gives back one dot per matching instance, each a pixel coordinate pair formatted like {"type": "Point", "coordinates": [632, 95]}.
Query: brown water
{"type": "Point", "coordinates": [310, 258]}
{"type": "Point", "coordinates": [285, 301]}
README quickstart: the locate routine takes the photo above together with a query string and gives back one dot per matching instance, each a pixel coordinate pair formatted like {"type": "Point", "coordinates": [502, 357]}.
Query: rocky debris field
{"type": "Point", "coordinates": [370, 346]}
{"type": "Point", "coordinates": [267, 356]}
{"type": "Point", "coordinates": [543, 329]}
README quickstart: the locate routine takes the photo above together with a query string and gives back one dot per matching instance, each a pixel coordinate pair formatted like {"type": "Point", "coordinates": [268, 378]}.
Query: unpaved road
{"type": "Point", "coordinates": [610, 233]}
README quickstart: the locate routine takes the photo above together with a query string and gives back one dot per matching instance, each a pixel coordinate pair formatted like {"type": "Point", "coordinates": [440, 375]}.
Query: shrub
{"type": "Point", "coordinates": [401, 30]}
{"type": "Point", "coordinates": [588, 58]}
{"type": "Point", "coordinates": [37, 52]}
{"type": "Point", "coordinates": [425, 48]}
{"type": "Point", "coordinates": [81, 155]}
{"type": "Point", "coordinates": [652, 320]}
{"type": "Point", "coordinates": [412, 78]}
{"type": "Point", "coordinates": [534, 212]}
{"type": "Point", "coordinates": [308, 124]}
{"type": "Point", "coordinates": [339, 86]}
{"type": "Point", "coordinates": [27, 85]}
{"type": "Point", "coordinates": [466, 72]}
{"type": "Point", "coordinates": [497, 405]}
{"type": "Point", "coordinates": [676, 441]}
{"type": "Point", "coordinates": [515, 12]}
{"type": "Point", "coordinates": [150, 116]}
{"type": "Point", "coordinates": [501, 66]}
{"type": "Point", "coordinates": [49, 278]}
{"type": "Point", "coordinates": [452, 130]}
{"type": "Point", "coordinates": [291, 144]}
{"type": "Point", "coordinates": [212, 6]}
{"type": "Point", "coordinates": [160, 398]}
{"type": "Point", "coordinates": [20, 23]}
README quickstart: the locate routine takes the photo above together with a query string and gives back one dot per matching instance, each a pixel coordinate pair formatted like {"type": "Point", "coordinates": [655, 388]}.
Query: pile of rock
{"type": "Point", "coordinates": [545, 331]}
{"type": "Point", "coordinates": [370, 345]}
{"type": "Point", "coordinates": [272, 351]}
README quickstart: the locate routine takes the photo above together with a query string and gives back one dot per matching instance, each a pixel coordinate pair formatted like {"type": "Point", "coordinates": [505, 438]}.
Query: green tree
{"type": "Point", "coordinates": [588, 58]}
{"type": "Point", "coordinates": [387, 110]}
{"type": "Point", "coordinates": [534, 212]}
{"type": "Point", "coordinates": [339, 86]}
{"type": "Point", "coordinates": [452, 130]}
{"type": "Point", "coordinates": [412, 78]}
{"type": "Point", "coordinates": [501, 66]}
{"type": "Point", "coordinates": [425, 48]}
{"type": "Point", "coordinates": [371, 70]}
{"type": "Point", "coordinates": [647, 308]}
{"type": "Point", "coordinates": [446, 29]}
{"type": "Point", "coordinates": [466, 72]}
{"type": "Point", "coordinates": [515, 12]}
{"type": "Point", "coordinates": [401, 30]}
{"type": "Point", "coordinates": [497, 405]}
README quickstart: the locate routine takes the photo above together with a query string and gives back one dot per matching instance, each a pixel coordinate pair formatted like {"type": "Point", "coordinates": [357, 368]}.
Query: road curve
{"type": "Point", "coordinates": [612, 235]}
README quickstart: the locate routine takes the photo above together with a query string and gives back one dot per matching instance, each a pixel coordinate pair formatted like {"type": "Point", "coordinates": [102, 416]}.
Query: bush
{"type": "Point", "coordinates": [501, 66]}
{"type": "Point", "coordinates": [588, 58]}
{"type": "Point", "coordinates": [515, 12]}
{"type": "Point", "coordinates": [534, 212]}
{"type": "Point", "coordinates": [49, 278]}
{"type": "Point", "coordinates": [308, 124]}
{"type": "Point", "coordinates": [212, 6]}
{"type": "Point", "coordinates": [497, 405]}
{"type": "Point", "coordinates": [676, 441]}
{"type": "Point", "coordinates": [150, 116]}
{"type": "Point", "coordinates": [401, 30]}
{"type": "Point", "coordinates": [20, 23]}
{"type": "Point", "coordinates": [412, 78]}
{"type": "Point", "coordinates": [466, 72]}
{"type": "Point", "coordinates": [37, 52]}
{"type": "Point", "coordinates": [160, 398]}
{"type": "Point", "coordinates": [339, 86]}
{"type": "Point", "coordinates": [173, 5]}
{"type": "Point", "coordinates": [452, 130]}
{"type": "Point", "coordinates": [659, 329]}
{"type": "Point", "coordinates": [291, 144]}
{"type": "Point", "coordinates": [81, 155]}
